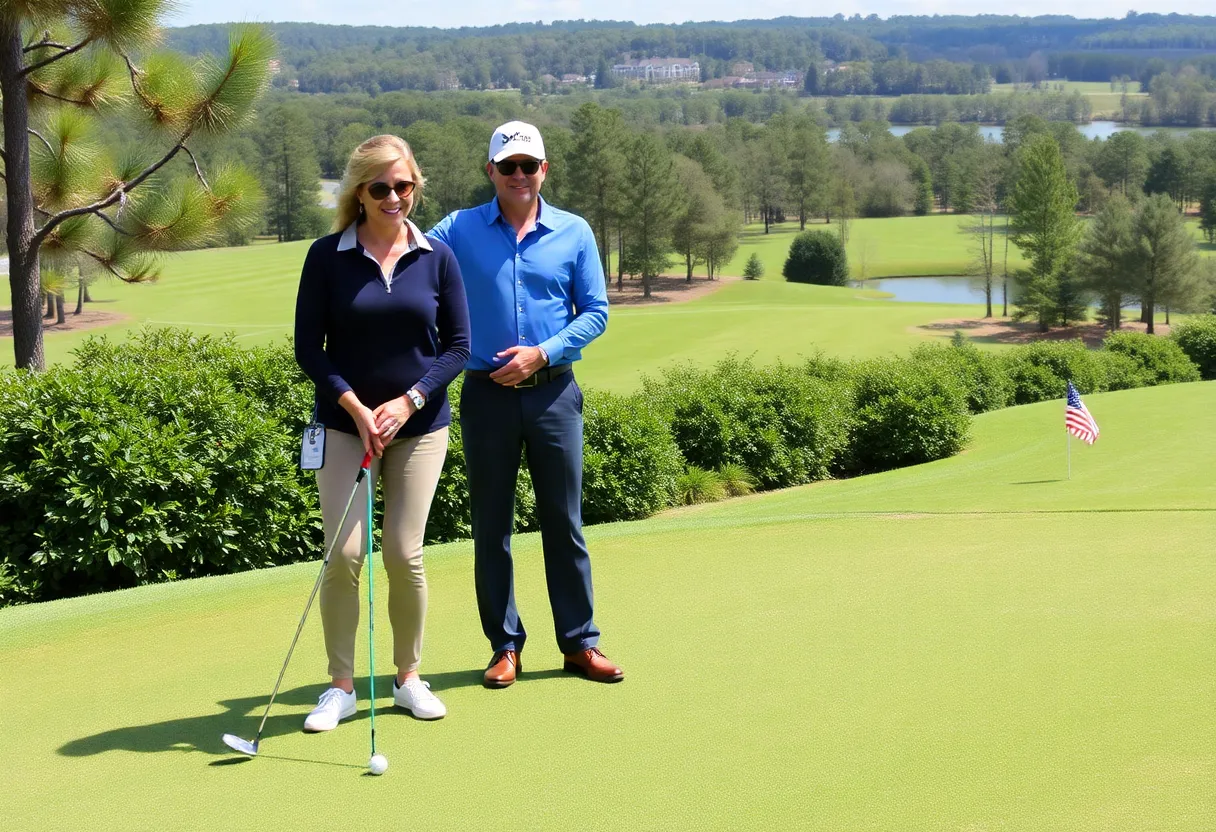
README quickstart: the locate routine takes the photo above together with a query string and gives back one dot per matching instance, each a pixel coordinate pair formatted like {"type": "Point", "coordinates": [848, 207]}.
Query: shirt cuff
{"type": "Point", "coordinates": [554, 348]}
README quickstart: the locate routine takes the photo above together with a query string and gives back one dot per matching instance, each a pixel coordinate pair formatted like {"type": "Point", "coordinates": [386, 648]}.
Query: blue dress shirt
{"type": "Point", "coordinates": [545, 291]}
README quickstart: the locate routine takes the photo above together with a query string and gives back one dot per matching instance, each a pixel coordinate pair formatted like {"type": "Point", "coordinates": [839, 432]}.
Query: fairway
{"type": "Point", "coordinates": [976, 643]}
{"type": "Point", "coordinates": [251, 292]}
{"type": "Point", "coordinates": [891, 247]}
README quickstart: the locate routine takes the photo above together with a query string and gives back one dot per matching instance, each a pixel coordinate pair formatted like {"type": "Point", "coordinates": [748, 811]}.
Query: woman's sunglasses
{"type": "Point", "coordinates": [380, 190]}
{"type": "Point", "coordinates": [507, 166]}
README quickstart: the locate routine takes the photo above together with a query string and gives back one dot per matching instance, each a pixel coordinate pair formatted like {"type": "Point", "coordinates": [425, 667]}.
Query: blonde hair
{"type": "Point", "coordinates": [365, 163]}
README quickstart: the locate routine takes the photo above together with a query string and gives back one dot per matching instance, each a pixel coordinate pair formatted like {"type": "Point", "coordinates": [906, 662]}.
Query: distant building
{"type": "Point", "coordinates": [275, 66]}
{"type": "Point", "coordinates": [741, 68]}
{"type": "Point", "coordinates": [660, 69]}
{"type": "Point", "coordinates": [573, 78]}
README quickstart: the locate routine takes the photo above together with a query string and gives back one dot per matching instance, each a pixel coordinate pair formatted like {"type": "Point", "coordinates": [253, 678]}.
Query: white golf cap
{"type": "Point", "coordinates": [515, 138]}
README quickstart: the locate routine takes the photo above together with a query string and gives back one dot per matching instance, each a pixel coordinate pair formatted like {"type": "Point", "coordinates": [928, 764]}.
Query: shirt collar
{"type": "Point", "coordinates": [544, 214]}
{"type": "Point", "coordinates": [350, 237]}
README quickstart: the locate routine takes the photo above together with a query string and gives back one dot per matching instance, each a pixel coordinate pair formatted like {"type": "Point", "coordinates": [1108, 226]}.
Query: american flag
{"type": "Point", "coordinates": [1077, 419]}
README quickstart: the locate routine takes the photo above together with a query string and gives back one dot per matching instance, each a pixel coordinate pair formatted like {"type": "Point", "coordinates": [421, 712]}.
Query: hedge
{"type": "Point", "coordinates": [175, 455]}
{"type": "Point", "coordinates": [1197, 338]}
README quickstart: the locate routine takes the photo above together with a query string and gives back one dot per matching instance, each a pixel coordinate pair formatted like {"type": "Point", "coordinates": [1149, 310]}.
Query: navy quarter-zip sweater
{"type": "Point", "coordinates": [357, 331]}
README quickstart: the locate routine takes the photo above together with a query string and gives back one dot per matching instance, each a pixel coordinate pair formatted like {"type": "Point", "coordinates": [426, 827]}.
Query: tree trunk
{"type": "Point", "coordinates": [1167, 314]}
{"type": "Point", "coordinates": [79, 297]}
{"type": "Point", "coordinates": [60, 316]}
{"type": "Point", "coordinates": [764, 211]}
{"type": "Point", "coordinates": [87, 297]}
{"type": "Point", "coordinates": [1005, 274]}
{"type": "Point", "coordinates": [1147, 311]}
{"type": "Point", "coordinates": [50, 305]}
{"type": "Point", "coordinates": [688, 260]}
{"type": "Point", "coordinates": [23, 259]}
{"type": "Point", "coordinates": [620, 260]}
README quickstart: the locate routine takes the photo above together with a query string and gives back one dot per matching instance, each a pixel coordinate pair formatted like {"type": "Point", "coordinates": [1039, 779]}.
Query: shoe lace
{"type": "Point", "coordinates": [332, 697]}
{"type": "Point", "coordinates": [418, 688]}
{"type": "Point", "coordinates": [509, 655]}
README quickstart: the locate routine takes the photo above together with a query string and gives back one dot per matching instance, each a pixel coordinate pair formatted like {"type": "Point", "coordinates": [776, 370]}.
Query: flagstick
{"type": "Point", "coordinates": [1069, 455]}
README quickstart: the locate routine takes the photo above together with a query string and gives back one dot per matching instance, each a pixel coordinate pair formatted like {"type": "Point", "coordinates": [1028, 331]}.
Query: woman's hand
{"type": "Point", "coordinates": [365, 421]}
{"type": "Point", "coordinates": [390, 416]}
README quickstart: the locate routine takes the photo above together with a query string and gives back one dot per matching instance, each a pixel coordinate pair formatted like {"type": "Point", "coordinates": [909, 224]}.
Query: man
{"type": "Point", "coordinates": [536, 298]}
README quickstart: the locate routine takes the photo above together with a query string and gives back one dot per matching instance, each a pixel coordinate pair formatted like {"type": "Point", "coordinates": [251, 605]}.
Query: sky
{"type": "Point", "coordinates": [490, 12]}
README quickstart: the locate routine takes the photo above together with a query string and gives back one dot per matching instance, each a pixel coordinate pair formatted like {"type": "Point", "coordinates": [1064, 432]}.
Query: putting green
{"type": "Point", "coordinates": [976, 643]}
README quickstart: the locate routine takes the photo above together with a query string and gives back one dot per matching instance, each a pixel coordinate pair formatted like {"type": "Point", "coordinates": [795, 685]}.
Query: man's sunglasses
{"type": "Point", "coordinates": [507, 166]}
{"type": "Point", "coordinates": [380, 190]}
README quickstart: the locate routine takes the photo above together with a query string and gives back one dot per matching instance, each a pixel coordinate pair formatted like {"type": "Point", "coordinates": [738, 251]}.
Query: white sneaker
{"type": "Point", "coordinates": [416, 697]}
{"type": "Point", "coordinates": [335, 705]}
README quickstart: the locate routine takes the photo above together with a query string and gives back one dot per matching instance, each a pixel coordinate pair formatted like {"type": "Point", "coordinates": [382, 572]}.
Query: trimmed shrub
{"type": "Point", "coordinates": [696, 485]}
{"type": "Point", "coordinates": [1042, 371]}
{"type": "Point", "coordinates": [908, 412]}
{"type": "Point", "coordinates": [784, 427]}
{"type": "Point", "coordinates": [1197, 338]}
{"type": "Point", "coordinates": [144, 463]}
{"type": "Point", "coordinates": [1158, 360]}
{"type": "Point", "coordinates": [984, 379]}
{"type": "Point", "coordinates": [630, 461]}
{"type": "Point", "coordinates": [817, 257]}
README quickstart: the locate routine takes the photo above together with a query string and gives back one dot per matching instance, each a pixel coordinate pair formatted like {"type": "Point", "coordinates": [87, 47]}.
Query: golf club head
{"type": "Point", "coordinates": [240, 745]}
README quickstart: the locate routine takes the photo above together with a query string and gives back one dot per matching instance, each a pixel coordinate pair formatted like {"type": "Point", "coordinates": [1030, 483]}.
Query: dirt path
{"type": "Point", "coordinates": [664, 289]}
{"type": "Point", "coordinates": [88, 319]}
{"type": "Point", "coordinates": [1006, 331]}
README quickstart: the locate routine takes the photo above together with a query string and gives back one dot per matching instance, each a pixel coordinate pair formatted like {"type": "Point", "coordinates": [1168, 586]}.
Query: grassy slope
{"type": "Point", "coordinates": [841, 656]}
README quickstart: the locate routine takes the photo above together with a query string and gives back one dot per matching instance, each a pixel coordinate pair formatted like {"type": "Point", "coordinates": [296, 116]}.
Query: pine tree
{"type": "Point", "coordinates": [1164, 257]}
{"type": "Point", "coordinates": [754, 270]}
{"type": "Point", "coordinates": [1044, 225]}
{"type": "Point", "coordinates": [654, 202]}
{"type": "Point", "coordinates": [1105, 259]}
{"type": "Point", "coordinates": [75, 204]}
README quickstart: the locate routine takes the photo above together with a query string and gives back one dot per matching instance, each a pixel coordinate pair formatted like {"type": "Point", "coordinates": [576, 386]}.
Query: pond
{"type": "Point", "coordinates": [1094, 130]}
{"type": "Point", "coordinates": [932, 289]}
{"type": "Point", "coordinates": [957, 289]}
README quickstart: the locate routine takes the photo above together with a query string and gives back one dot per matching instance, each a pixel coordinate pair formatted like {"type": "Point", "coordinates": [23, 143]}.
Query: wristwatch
{"type": "Point", "coordinates": [417, 398]}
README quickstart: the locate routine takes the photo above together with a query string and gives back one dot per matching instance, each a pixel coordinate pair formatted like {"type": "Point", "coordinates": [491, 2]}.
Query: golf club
{"type": "Point", "coordinates": [244, 746]}
{"type": "Point", "coordinates": [377, 764]}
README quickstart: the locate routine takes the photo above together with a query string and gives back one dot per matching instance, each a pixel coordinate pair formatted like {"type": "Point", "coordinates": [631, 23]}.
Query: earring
{"type": "Point", "coordinates": [361, 211]}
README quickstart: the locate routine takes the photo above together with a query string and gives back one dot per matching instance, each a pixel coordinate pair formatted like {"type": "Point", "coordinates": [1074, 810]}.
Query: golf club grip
{"type": "Point", "coordinates": [364, 466]}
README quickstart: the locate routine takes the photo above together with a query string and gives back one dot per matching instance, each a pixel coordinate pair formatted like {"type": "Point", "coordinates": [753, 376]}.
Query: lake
{"type": "Point", "coordinates": [1094, 130]}
{"type": "Point", "coordinates": [957, 289]}
{"type": "Point", "coordinates": [932, 289]}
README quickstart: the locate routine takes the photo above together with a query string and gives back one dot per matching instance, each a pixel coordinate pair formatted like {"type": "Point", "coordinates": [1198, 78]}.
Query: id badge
{"type": "Point", "coordinates": [312, 448]}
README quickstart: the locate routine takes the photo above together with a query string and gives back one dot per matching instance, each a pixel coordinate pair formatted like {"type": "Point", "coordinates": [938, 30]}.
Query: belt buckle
{"type": "Point", "coordinates": [530, 381]}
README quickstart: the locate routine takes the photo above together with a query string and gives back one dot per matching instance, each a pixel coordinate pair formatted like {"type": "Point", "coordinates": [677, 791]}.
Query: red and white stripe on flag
{"type": "Point", "coordinates": [1077, 418]}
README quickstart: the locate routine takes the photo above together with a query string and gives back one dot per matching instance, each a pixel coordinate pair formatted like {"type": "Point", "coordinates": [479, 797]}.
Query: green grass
{"type": "Point", "coordinates": [251, 292]}
{"type": "Point", "coordinates": [893, 247]}
{"type": "Point", "coordinates": [976, 643]}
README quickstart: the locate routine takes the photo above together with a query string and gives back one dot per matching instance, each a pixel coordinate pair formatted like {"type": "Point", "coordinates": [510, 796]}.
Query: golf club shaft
{"type": "Point", "coordinates": [371, 622]}
{"type": "Point", "coordinates": [363, 468]}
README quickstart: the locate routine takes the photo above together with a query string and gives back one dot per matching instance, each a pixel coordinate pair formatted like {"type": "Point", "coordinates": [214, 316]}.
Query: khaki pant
{"type": "Point", "coordinates": [410, 468]}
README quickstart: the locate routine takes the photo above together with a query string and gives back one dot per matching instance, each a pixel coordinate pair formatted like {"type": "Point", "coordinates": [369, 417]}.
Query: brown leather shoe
{"type": "Point", "coordinates": [594, 665]}
{"type": "Point", "coordinates": [502, 669]}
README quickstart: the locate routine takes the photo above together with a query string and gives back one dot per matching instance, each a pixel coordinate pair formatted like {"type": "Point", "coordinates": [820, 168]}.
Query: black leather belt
{"type": "Point", "coordinates": [544, 374]}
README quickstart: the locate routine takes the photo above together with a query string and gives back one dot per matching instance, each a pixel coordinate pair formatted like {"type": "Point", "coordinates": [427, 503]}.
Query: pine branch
{"type": "Point", "coordinates": [67, 50]}
{"type": "Point", "coordinates": [46, 42]}
{"type": "Point", "coordinates": [115, 195]}
{"type": "Point", "coordinates": [197, 169]}
{"type": "Point", "coordinates": [40, 91]}
{"type": "Point", "coordinates": [135, 72]}
{"type": "Point", "coordinates": [34, 132]}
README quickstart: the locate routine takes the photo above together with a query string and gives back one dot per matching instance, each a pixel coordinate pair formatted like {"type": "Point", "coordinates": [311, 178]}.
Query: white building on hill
{"type": "Point", "coordinates": [660, 69]}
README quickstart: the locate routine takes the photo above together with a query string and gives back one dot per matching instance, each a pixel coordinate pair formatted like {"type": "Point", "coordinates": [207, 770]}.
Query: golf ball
{"type": "Point", "coordinates": [378, 764]}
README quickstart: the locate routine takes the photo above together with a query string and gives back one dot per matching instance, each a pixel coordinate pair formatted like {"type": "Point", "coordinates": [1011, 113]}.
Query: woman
{"type": "Point", "coordinates": [382, 328]}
